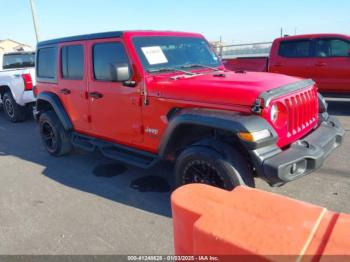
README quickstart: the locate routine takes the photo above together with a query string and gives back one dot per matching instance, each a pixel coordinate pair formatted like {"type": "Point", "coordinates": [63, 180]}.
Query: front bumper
{"type": "Point", "coordinates": [35, 113]}
{"type": "Point", "coordinates": [302, 157]}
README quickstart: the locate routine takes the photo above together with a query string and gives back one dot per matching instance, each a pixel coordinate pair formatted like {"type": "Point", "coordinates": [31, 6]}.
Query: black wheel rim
{"type": "Point", "coordinates": [199, 171]}
{"type": "Point", "coordinates": [48, 136]}
{"type": "Point", "coordinates": [10, 111]}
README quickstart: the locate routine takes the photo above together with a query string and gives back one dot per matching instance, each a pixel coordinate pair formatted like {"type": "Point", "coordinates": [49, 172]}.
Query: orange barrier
{"type": "Point", "coordinates": [247, 221]}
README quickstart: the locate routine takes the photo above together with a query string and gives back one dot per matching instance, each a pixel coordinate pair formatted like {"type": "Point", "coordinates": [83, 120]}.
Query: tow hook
{"type": "Point", "coordinates": [304, 144]}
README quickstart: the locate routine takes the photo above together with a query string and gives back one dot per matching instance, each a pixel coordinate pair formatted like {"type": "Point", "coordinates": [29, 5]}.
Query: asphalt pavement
{"type": "Point", "coordinates": [85, 203]}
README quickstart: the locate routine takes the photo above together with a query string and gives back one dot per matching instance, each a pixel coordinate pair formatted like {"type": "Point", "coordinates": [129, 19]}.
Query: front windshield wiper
{"type": "Point", "coordinates": [169, 69]}
{"type": "Point", "coordinates": [199, 65]}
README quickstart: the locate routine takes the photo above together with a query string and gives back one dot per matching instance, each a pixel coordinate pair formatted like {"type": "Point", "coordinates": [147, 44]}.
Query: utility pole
{"type": "Point", "coordinates": [281, 31]}
{"type": "Point", "coordinates": [35, 20]}
{"type": "Point", "coordinates": [220, 47]}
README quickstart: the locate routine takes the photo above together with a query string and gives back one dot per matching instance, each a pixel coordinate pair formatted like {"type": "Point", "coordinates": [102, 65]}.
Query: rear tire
{"type": "Point", "coordinates": [13, 111]}
{"type": "Point", "coordinates": [55, 139]}
{"type": "Point", "coordinates": [201, 164]}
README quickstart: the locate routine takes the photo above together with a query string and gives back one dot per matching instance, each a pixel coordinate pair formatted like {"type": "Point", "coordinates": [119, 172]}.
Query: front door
{"type": "Point", "coordinates": [115, 108]}
{"type": "Point", "coordinates": [332, 65]}
{"type": "Point", "coordinates": [293, 58]}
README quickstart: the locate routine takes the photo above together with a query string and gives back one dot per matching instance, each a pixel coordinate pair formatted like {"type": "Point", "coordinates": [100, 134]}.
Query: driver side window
{"type": "Point", "coordinates": [105, 57]}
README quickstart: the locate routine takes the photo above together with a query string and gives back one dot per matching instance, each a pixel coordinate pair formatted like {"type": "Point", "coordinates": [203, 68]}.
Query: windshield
{"type": "Point", "coordinates": [11, 61]}
{"type": "Point", "coordinates": [171, 53]}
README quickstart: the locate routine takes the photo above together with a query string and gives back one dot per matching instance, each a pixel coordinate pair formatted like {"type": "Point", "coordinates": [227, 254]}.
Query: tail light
{"type": "Point", "coordinates": [28, 83]}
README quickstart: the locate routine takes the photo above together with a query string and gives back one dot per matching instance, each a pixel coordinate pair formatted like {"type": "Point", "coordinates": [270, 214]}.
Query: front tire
{"type": "Point", "coordinates": [55, 139]}
{"type": "Point", "coordinates": [201, 164]}
{"type": "Point", "coordinates": [13, 111]}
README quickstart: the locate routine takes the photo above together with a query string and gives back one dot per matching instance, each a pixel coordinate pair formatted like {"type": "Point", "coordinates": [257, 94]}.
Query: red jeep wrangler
{"type": "Point", "coordinates": [142, 97]}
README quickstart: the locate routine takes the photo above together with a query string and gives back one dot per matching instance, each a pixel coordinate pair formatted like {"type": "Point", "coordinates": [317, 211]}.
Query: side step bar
{"type": "Point", "coordinates": [117, 152]}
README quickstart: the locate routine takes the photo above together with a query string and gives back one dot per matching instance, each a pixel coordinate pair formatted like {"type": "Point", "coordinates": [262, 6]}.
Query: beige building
{"type": "Point", "coordinates": [9, 45]}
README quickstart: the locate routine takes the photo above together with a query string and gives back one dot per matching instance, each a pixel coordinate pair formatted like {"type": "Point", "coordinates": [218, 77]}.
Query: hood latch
{"type": "Point", "coordinates": [257, 106]}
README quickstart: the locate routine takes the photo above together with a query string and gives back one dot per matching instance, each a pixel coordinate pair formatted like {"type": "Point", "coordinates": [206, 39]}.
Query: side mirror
{"type": "Point", "coordinates": [121, 72]}
{"type": "Point", "coordinates": [349, 52]}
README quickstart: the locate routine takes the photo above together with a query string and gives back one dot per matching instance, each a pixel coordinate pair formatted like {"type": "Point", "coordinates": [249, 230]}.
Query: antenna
{"type": "Point", "coordinates": [35, 22]}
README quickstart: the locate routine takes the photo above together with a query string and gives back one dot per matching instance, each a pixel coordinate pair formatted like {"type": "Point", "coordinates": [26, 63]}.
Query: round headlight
{"type": "Point", "coordinates": [274, 113]}
{"type": "Point", "coordinates": [278, 115]}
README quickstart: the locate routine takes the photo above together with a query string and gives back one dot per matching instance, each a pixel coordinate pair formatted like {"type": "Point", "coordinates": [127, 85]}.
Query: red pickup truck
{"type": "Point", "coordinates": [325, 58]}
{"type": "Point", "coordinates": [142, 97]}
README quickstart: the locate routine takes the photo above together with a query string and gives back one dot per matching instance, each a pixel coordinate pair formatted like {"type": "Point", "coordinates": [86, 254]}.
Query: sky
{"type": "Point", "coordinates": [236, 21]}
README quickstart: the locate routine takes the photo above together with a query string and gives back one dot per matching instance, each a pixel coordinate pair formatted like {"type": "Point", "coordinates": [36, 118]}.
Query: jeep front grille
{"type": "Point", "coordinates": [302, 110]}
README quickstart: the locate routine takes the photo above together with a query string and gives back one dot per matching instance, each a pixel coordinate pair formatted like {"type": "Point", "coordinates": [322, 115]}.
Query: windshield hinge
{"type": "Point", "coordinates": [144, 93]}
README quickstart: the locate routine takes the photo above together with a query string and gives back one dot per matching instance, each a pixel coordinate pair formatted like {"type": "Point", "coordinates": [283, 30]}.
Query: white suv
{"type": "Point", "coordinates": [17, 77]}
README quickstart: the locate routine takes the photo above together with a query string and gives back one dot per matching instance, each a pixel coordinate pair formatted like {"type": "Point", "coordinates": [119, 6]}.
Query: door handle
{"type": "Point", "coordinates": [95, 95]}
{"type": "Point", "coordinates": [65, 91]}
{"type": "Point", "coordinates": [320, 64]}
{"type": "Point", "coordinates": [278, 65]}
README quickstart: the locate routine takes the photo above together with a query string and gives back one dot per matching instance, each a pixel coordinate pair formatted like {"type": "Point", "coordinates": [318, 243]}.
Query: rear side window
{"type": "Point", "coordinates": [72, 62]}
{"type": "Point", "coordinates": [332, 48]}
{"type": "Point", "coordinates": [47, 64]}
{"type": "Point", "coordinates": [106, 56]}
{"type": "Point", "coordinates": [300, 48]}
{"type": "Point", "coordinates": [12, 61]}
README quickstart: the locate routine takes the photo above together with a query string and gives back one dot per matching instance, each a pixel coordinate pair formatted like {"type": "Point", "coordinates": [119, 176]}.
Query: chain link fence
{"type": "Point", "coordinates": [244, 50]}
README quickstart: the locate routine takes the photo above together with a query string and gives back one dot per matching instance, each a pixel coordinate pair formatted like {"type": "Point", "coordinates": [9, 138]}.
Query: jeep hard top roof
{"type": "Point", "coordinates": [113, 34]}
{"type": "Point", "coordinates": [81, 37]}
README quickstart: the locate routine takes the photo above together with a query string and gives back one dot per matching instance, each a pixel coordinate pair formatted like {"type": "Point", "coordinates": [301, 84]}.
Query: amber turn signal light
{"type": "Point", "coordinates": [254, 136]}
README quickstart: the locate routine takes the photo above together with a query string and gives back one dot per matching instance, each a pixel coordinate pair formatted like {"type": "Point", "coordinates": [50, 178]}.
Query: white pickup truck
{"type": "Point", "coordinates": [17, 78]}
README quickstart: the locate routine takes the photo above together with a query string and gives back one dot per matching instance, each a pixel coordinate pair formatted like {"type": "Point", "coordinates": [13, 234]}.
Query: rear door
{"type": "Point", "coordinates": [292, 58]}
{"type": "Point", "coordinates": [72, 84]}
{"type": "Point", "coordinates": [331, 68]}
{"type": "Point", "coordinates": [115, 108]}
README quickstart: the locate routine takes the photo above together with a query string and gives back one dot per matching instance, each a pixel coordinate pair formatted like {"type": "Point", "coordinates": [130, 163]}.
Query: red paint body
{"type": "Point", "coordinates": [122, 117]}
{"type": "Point", "coordinates": [252, 64]}
{"type": "Point", "coordinates": [331, 73]}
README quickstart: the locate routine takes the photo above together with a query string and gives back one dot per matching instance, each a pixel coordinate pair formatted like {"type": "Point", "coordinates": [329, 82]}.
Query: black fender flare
{"type": "Point", "coordinates": [57, 106]}
{"type": "Point", "coordinates": [233, 122]}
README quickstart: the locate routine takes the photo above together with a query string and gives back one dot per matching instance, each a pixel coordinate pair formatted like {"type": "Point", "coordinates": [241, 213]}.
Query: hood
{"type": "Point", "coordinates": [232, 89]}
